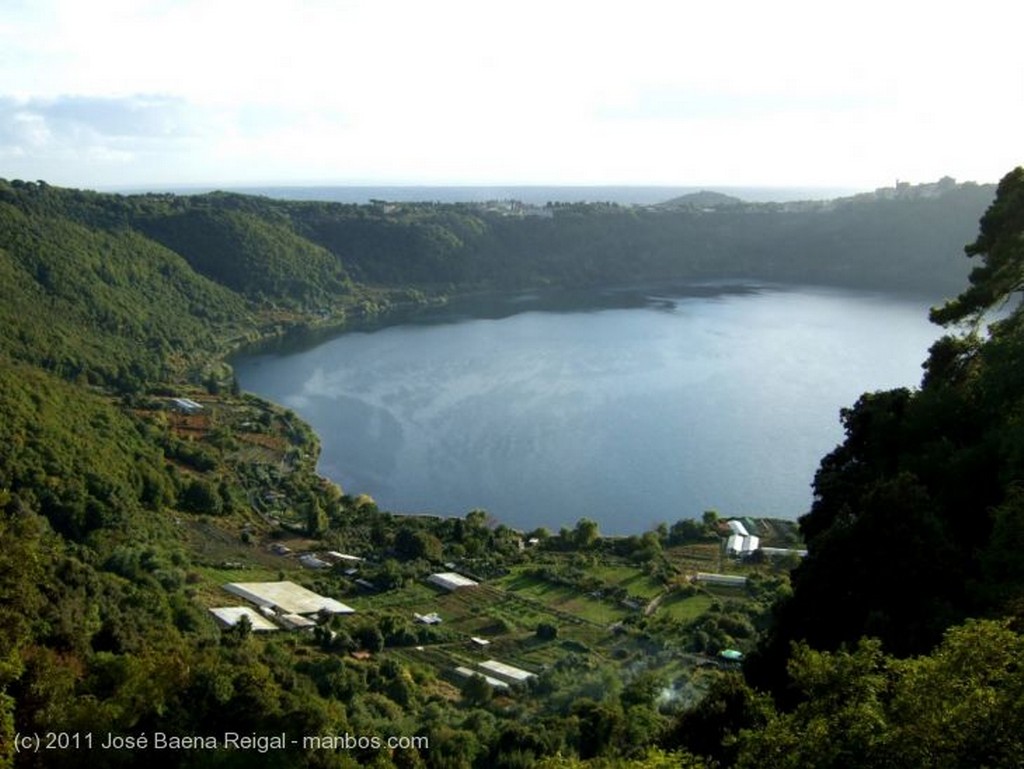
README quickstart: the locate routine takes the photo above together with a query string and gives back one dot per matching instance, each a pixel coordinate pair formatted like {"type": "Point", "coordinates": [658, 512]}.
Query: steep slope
{"type": "Point", "coordinates": [259, 257]}
{"type": "Point", "coordinates": [106, 305]}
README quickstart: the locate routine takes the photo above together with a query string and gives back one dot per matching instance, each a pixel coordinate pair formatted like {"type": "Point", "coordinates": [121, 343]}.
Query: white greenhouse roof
{"type": "Point", "coordinates": [287, 597]}
{"type": "Point", "coordinates": [738, 528]}
{"type": "Point", "coordinates": [297, 621]}
{"type": "Point", "coordinates": [741, 544]}
{"type": "Point", "coordinates": [449, 580]}
{"type": "Point", "coordinates": [342, 556]}
{"type": "Point", "coordinates": [720, 579]}
{"type": "Point", "coordinates": [783, 551]}
{"type": "Point", "coordinates": [468, 673]}
{"type": "Point", "coordinates": [508, 672]}
{"type": "Point", "coordinates": [230, 615]}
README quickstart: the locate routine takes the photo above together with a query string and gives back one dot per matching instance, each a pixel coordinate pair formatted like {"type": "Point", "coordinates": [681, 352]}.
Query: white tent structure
{"type": "Point", "coordinates": [739, 544]}
{"type": "Point", "coordinates": [449, 580]}
{"type": "Point", "coordinates": [738, 528]}
{"type": "Point", "coordinates": [505, 672]}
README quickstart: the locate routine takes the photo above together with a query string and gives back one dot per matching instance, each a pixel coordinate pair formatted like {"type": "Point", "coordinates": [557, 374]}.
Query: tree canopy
{"type": "Point", "coordinates": [1000, 245]}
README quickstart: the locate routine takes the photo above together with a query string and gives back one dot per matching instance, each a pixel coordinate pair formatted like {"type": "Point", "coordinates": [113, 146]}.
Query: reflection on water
{"type": "Point", "coordinates": [628, 406]}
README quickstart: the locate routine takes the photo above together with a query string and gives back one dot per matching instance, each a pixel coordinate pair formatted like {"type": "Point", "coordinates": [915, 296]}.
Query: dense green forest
{"type": "Point", "coordinates": [895, 642]}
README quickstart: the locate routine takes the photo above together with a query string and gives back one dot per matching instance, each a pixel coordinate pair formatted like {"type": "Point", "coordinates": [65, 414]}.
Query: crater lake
{"type": "Point", "coordinates": [630, 406]}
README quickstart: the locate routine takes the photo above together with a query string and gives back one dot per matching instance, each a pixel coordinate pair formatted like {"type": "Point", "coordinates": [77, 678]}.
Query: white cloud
{"type": "Point", "coordinates": [791, 92]}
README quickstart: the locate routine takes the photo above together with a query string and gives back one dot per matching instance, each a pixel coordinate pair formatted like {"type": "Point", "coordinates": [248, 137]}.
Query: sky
{"type": "Point", "coordinates": [156, 93]}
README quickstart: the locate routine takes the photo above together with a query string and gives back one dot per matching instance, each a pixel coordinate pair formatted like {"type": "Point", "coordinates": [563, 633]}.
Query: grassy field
{"type": "Point", "coordinates": [685, 608]}
{"type": "Point", "coordinates": [635, 581]}
{"type": "Point", "coordinates": [564, 599]}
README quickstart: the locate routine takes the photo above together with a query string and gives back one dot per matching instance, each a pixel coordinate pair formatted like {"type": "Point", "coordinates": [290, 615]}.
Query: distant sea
{"type": "Point", "coordinates": [536, 195]}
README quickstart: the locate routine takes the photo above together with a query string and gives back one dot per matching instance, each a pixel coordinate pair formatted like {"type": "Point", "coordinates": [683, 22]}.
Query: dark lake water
{"type": "Point", "coordinates": [628, 407]}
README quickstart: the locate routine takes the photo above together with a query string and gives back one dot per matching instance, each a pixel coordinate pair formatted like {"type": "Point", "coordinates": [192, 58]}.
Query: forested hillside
{"type": "Point", "coordinates": [136, 481]}
{"type": "Point", "coordinates": [104, 305]}
{"type": "Point", "coordinates": [306, 254]}
{"type": "Point", "coordinates": [917, 526]}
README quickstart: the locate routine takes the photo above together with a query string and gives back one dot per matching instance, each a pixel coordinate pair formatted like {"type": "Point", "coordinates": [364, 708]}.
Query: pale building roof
{"type": "Point", "coordinates": [468, 673]}
{"type": "Point", "coordinates": [449, 580]}
{"type": "Point", "coordinates": [507, 672]}
{"type": "Point", "coordinates": [230, 616]}
{"type": "Point", "coordinates": [721, 579]}
{"type": "Point", "coordinates": [737, 527]}
{"type": "Point", "coordinates": [742, 544]}
{"type": "Point", "coordinates": [287, 597]}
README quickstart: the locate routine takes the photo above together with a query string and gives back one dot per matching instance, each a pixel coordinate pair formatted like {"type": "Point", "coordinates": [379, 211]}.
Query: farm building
{"type": "Point", "coordinates": [449, 580]}
{"type": "Point", "coordinates": [428, 619]}
{"type": "Point", "coordinates": [187, 405]}
{"type": "Point", "coordinates": [296, 621]}
{"type": "Point", "coordinates": [738, 529]}
{"type": "Point", "coordinates": [287, 598]}
{"type": "Point", "coordinates": [782, 551]}
{"type": "Point", "coordinates": [312, 562]}
{"type": "Point", "coordinates": [728, 580]}
{"type": "Point", "coordinates": [505, 672]}
{"type": "Point", "coordinates": [333, 557]}
{"type": "Point", "coordinates": [468, 673]}
{"type": "Point", "coordinates": [739, 544]}
{"type": "Point", "coordinates": [229, 616]}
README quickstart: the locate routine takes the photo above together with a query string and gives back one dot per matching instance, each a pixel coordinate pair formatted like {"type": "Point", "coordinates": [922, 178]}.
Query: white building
{"type": "Point", "coordinates": [505, 672]}
{"type": "Point", "coordinates": [738, 529]}
{"type": "Point", "coordinates": [782, 551]}
{"type": "Point", "coordinates": [187, 405]}
{"type": "Point", "coordinates": [333, 556]}
{"type": "Point", "coordinates": [310, 561]}
{"type": "Point", "coordinates": [739, 544]}
{"type": "Point", "coordinates": [469, 673]}
{"type": "Point", "coordinates": [287, 598]}
{"type": "Point", "coordinates": [229, 616]}
{"type": "Point", "coordinates": [726, 580]}
{"type": "Point", "coordinates": [449, 580]}
{"type": "Point", "coordinates": [296, 621]}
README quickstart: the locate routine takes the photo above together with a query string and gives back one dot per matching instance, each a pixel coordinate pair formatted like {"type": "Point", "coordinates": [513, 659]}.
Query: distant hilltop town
{"type": "Point", "coordinates": [702, 201]}
{"type": "Point", "coordinates": [714, 202]}
{"type": "Point", "coordinates": [908, 191]}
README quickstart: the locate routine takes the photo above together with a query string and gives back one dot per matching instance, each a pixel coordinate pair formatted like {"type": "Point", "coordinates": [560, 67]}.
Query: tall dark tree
{"type": "Point", "coordinates": [1001, 249]}
{"type": "Point", "coordinates": [901, 531]}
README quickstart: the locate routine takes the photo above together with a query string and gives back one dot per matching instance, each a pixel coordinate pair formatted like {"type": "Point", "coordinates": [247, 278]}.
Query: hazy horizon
{"type": "Point", "coordinates": [537, 194]}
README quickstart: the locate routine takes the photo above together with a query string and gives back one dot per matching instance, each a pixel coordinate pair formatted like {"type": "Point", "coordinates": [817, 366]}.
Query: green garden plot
{"type": "Point", "coordinates": [683, 607]}
{"type": "Point", "coordinates": [635, 581]}
{"type": "Point", "coordinates": [566, 600]}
